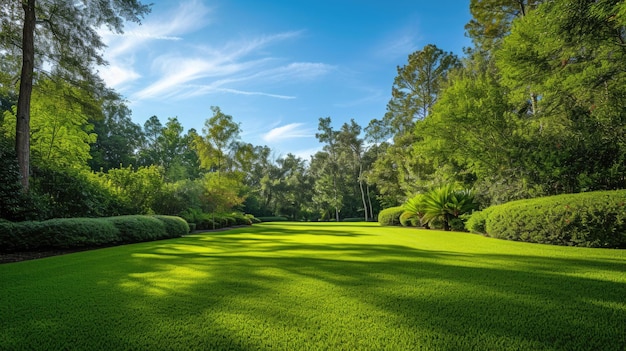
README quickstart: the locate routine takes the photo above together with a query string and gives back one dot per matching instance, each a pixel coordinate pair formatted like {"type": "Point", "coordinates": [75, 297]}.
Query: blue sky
{"type": "Point", "coordinates": [276, 66]}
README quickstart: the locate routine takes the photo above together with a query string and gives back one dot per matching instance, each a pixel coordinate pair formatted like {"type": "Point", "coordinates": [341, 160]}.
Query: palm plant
{"type": "Point", "coordinates": [413, 209]}
{"type": "Point", "coordinates": [444, 203]}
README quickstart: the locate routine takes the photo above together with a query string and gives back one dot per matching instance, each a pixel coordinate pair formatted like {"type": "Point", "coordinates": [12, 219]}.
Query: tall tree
{"type": "Point", "coordinates": [118, 140]}
{"type": "Point", "coordinates": [63, 34]}
{"type": "Point", "coordinates": [491, 20]}
{"type": "Point", "coordinates": [571, 55]}
{"type": "Point", "coordinates": [330, 182]}
{"type": "Point", "coordinates": [416, 89]}
{"type": "Point", "coordinates": [219, 140]}
{"type": "Point", "coordinates": [417, 85]}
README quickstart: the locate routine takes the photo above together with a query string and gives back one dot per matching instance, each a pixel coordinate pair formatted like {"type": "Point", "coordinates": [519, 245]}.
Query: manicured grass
{"type": "Point", "coordinates": [311, 286]}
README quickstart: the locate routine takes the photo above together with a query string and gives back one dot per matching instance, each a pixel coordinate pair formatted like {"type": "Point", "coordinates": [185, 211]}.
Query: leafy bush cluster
{"type": "Point", "coordinates": [208, 221]}
{"type": "Point", "coordinates": [66, 233]}
{"type": "Point", "coordinates": [441, 207]}
{"type": "Point", "coordinates": [390, 216]}
{"type": "Point", "coordinates": [272, 219]}
{"type": "Point", "coordinates": [593, 219]}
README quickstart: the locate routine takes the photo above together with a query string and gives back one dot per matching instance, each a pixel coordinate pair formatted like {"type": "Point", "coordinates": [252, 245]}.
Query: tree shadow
{"type": "Point", "coordinates": [263, 289]}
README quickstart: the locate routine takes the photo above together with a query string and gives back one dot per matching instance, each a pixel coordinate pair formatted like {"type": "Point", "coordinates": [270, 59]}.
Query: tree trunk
{"type": "Point", "coordinates": [362, 190]}
{"type": "Point", "coordinates": [369, 201]}
{"type": "Point", "coordinates": [22, 129]}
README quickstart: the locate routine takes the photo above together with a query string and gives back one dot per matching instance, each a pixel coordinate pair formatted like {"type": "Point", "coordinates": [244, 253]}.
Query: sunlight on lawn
{"type": "Point", "coordinates": [301, 286]}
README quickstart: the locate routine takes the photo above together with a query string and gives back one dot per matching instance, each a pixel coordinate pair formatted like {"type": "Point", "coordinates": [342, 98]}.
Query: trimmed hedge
{"type": "Point", "coordinates": [273, 219]}
{"type": "Point", "coordinates": [593, 219]}
{"type": "Point", "coordinates": [67, 233]}
{"type": "Point", "coordinates": [390, 216]}
{"type": "Point", "coordinates": [208, 221]}
{"type": "Point", "coordinates": [174, 226]}
{"type": "Point", "coordinates": [62, 233]}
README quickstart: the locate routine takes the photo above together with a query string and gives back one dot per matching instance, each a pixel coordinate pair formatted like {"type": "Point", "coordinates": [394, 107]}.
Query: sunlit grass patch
{"type": "Point", "coordinates": [303, 286]}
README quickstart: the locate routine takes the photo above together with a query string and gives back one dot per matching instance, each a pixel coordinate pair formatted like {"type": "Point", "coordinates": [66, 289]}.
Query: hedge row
{"type": "Point", "coordinates": [390, 216]}
{"type": "Point", "coordinates": [67, 233]}
{"type": "Point", "coordinates": [593, 219]}
{"type": "Point", "coordinates": [273, 219]}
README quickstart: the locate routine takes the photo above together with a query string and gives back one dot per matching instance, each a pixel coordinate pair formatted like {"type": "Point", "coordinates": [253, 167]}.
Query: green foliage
{"type": "Point", "coordinates": [594, 219]}
{"type": "Point", "coordinates": [174, 226]}
{"type": "Point", "coordinates": [134, 229]}
{"type": "Point", "coordinates": [476, 222]}
{"type": "Point", "coordinates": [174, 198]}
{"type": "Point", "coordinates": [209, 221]}
{"type": "Point", "coordinates": [14, 203]}
{"type": "Point", "coordinates": [390, 216]}
{"type": "Point", "coordinates": [445, 203]}
{"type": "Point", "coordinates": [62, 233]}
{"type": "Point", "coordinates": [69, 233]}
{"type": "Point", "coordinates": [272, 219]}
{"type": "Point", "coordinates": [415, 205]}
{"type": "Point", "coordinates": [138, 190]}
{"type": "Point", "coordinates": [409, 219]}
{"type": "Point", "coordinates": [65, 193]}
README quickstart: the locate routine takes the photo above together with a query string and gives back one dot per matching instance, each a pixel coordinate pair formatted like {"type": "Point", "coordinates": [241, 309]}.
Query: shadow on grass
{"type": "Point", "coordinates": [262, 289]}
{"type": "Point", "coordinates": [529, 303]}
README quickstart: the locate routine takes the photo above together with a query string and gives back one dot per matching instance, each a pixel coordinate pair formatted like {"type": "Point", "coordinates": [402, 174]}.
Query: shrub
{"type": "Point", "coordinates": [67, 233]}
{"type": "Point", "coordinates": [252, 219]}
{"type": "Point", "coordinates": [390, 216]}
{"type": "Point", "coordinates": [139, 228]}
{"type": "Point", "coordinates": [593, 219]}
{"type": "Point", "coordinates": [409, 219]}
{"type": "Point", "coordinates": [61, 233]}
{"type": "Point", "coordinates": [476, 221]}
{"type": "Point", "coordinates": [273, 219]}
{"type": "Point", "coordinates": [174, 226]}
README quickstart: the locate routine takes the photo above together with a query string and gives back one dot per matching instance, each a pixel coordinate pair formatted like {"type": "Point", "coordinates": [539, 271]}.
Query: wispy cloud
{"type": "Point", "coordinates": [188, 17]}
{"type": "Point", "coordinates": [158, 55]}
{"type": "Point", "coordinates": [400, 42]}
{"type": "Point", "coordinates": [235, 63]}
{"type": "Point", "coordinates": [289, 131]}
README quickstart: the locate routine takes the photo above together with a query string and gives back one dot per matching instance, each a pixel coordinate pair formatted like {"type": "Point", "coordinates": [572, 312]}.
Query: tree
{"type": "Point", "coordinates": [219, 139]}
{"type": "Point", "coordinates": [64, 35]}
{"type": "Point", "coordinates": [61, 134]}
{"type": "Point", "coordinates": [329, 183]}
{"type": "Point", "coordinates": [399, 170]}
{"type": "Point", "coordinates": [570, 56]}
{"type": "Point", "coordinates": [416, 87]}
{"type": "Point", "coordinates": [491, 20]}
{"type": "Point", "coordinates": [118, 139]}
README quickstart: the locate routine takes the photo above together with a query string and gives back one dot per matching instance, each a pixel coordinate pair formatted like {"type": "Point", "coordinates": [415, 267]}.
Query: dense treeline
{"type": "Point", "coordinates": [537, 106]}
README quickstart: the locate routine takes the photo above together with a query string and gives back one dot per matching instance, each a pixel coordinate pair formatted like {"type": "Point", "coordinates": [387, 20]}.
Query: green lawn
{"type": "Point", "coordinates": [312, 286]}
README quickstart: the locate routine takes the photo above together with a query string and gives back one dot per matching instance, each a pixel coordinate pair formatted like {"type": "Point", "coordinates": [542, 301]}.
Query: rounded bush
{"type": "Point", "coordinates": [174, 226]}
{"type": "Point", "coordinates": [390, 216]}
{"type": "Point", "coordinates": [477, 221]}
{"type": "Point", "coordinates": [593, 219]}
{"type": "Point", "coordinates": [138, 228]}
{"type": "Point", "coordinates": [61, 233]}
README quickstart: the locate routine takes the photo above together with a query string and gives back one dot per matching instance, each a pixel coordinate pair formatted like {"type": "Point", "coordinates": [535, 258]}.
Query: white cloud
{"type": "Point", "coordinates": [289, 131]}
{"type": "Point", "coordinates": [188, 17]}
{"type": "Point", "coordinates": [158, 52]}
{"type": "Point", "coordinates": [399, 43]}
{"type": "Point", "coordinates": [231, 62]}
{"type": "Point", "coordinates": [117, 76]}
